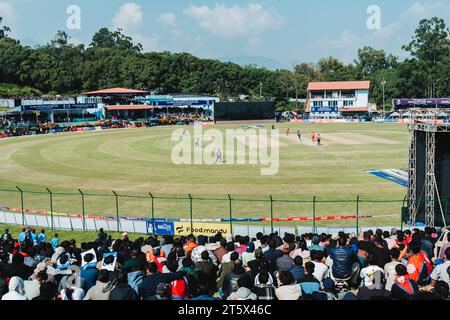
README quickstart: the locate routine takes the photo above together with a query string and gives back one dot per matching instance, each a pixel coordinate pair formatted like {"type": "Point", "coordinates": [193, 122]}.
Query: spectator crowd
{"type": "Point", "coordinates": [395, 265]}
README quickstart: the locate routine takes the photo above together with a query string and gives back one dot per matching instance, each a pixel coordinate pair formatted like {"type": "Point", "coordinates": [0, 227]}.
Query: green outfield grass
{"type": "Point", "coordinates": [137, 162]}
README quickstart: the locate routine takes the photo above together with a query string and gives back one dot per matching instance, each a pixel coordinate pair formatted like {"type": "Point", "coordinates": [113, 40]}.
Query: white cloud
{"type": "Point", "coordinates": [234, 21]}
{"type": "Point", "coordinates": [7, 13]}
{"type": "Point", "coordinates": [345, 40]}
{"type": "Point", "coordinates": [387, 32]}
{"type": "Point", "coordinates": [425, 9]}
{"type": "Point", "coordinates": [167, 19]}
{"type": "Point", "coordinates": [129, 17]}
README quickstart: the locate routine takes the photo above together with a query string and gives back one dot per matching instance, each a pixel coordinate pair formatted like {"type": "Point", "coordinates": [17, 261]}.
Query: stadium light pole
{"type": "Point", "coordinates": [383, 84]}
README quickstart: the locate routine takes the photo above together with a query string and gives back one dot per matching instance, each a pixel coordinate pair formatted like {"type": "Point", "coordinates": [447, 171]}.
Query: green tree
{"type": "Point", "coordinates": [371, 60]}
{"type": "Point", "coordinates": [104, 38]}
{"type": "Point", "coordinates": [431, 45]}
{"type": "Point", "coordinates": [3, 29]}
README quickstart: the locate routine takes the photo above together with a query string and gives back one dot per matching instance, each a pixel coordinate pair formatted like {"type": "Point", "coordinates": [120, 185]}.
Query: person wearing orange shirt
{"type": "Point", "coordinates": [190, 244]}
{"type": "Point", "coordinates": [419, 266]}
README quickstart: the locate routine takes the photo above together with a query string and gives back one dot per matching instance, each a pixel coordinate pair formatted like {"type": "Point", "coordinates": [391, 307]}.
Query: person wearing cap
{"type": "Point", "coordinates": [249, 254]}
{"type": "Point", "coordinates": [315, 244]}
{"type": "Point", "coordinates": [328, 292]}
{"type": "Point", "coordinates": [124, 237]}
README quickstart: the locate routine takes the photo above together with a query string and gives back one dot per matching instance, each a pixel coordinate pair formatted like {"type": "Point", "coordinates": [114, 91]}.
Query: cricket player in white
{"type": "Point", "coordinates": [219, 156]}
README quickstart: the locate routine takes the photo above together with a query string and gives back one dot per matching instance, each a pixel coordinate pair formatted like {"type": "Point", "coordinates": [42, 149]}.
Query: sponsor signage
{"type": "Point", "coordinates": [324, 109]}
{"type": "Point", "coordinates": [64, 106]}
{"type": "Point", "coordinates": [206, 229]}
{"type": "Point", "coordinates": [421, 102]}
{"type": "Point", "coordinates": [179, 103]}
{"type": "Point", "coordinates": [163, 228]}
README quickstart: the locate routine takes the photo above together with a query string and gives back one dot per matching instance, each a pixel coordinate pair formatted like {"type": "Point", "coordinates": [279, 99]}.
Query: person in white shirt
{"type": "Point", "coordinates": [16, 290]}
{"type": "Point", "coordinates": [442, 271]}
{"type": "Point", "coordinates": [370, 273]}
{"type": "Point", "coordinates": [32, 286]}
{"type": "Point", "coordinates": [227, 256]}
{"type": "Point", "coordinates": [389, 268]}
{"type": "Point", "coordinates": [320, 269]}
{"type": "Point", "coordinates": [287, 290]}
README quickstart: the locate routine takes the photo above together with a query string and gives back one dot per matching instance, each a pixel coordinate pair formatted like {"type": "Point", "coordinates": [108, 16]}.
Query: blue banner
{"type": "Point", "coordinates": [63, 106]}
{"type": "Point", "coordinates": [163, 228]}
{"type": "Point", "coordinates": [324, 109]}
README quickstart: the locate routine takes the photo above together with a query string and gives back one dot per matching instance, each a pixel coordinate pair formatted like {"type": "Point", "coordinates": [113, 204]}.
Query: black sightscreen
{"type": "Point", "coordinates": [229, 111]}
{"type": "Point", "coordinates": [442, 173]}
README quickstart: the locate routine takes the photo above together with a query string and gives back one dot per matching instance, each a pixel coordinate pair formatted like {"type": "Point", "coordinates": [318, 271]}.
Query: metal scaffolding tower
{"type": "Point", "coordinates": [412, 201]}
{"type": "Point", "coordinates": [430, 181]}
{"type": "Point", "coordinates": [429, 126]}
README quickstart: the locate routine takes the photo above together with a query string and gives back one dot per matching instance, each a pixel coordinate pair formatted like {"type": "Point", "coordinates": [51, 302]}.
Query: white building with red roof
{"type": "Point", "coordinates": [338, 98]}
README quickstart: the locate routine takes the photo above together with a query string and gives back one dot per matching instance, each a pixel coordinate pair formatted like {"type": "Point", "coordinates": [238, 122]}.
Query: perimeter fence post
{"type": "Point", "coordinates": [271, 214]}
{"type": "Point", "coordinates": [117, 210]}
{"type": "Point", "coordinates": [153, 213]}
{"type": "Point", "coordinates": [83, 210]}
{"type": "Point", "coordinates": [314, 214]}
{"type": "Point", "coordinates": [21, 204]}
{"type": "Point", "coordinates": [51, 207]}
{"type": "Point", "coordinates": [357, 216]}
{"type": "Point", "coordinates": [190, 213]}
{"type": "Point", "coordinates": [231, 214]}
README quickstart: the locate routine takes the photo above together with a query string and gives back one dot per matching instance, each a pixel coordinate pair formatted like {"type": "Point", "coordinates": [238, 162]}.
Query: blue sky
{"type": "Point", "coordinates": [280, 32]}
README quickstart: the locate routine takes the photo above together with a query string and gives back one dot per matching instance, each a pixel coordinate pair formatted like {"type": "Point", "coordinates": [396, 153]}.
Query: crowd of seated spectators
{"type": "Point", "coordinates": [396, 265]}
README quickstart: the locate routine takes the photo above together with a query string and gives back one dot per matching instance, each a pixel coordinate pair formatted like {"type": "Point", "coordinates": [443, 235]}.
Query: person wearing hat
{"type": "Point", "coordinates": [249, 254]}
{"type": "Point", "coordinates": [328, 292]}
{"type": "Point", "coordinates": [315, 244]}
{"type": "Point", "coordinates": [124, 237]}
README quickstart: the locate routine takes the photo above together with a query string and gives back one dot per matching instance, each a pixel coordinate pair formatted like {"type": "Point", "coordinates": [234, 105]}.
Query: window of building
{"type": "Point", "coordinates": [348, 103]}
{"type": "Point", "coordinates": [317, 103]}
{"type": "Point", "coordinates": [332, 103]}
{"type": "Point", "coordinates": [348, 94]}
{"type": "Point", "coordinates": [317, 95]}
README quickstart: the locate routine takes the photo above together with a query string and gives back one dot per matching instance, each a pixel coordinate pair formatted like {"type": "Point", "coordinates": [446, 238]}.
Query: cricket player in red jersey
{"type": "Point", "coordinates": [313, 137]}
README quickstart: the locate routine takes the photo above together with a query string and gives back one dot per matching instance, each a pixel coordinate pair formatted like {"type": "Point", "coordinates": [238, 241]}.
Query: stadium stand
{"type": "Point", "coordinates": [394, 265]}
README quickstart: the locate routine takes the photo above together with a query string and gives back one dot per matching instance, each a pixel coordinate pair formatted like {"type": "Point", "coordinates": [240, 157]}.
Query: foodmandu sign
{"type": "Point", "coordinates": [205, 229]}
{"type": "Point", "coordinates": [405, 103]}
